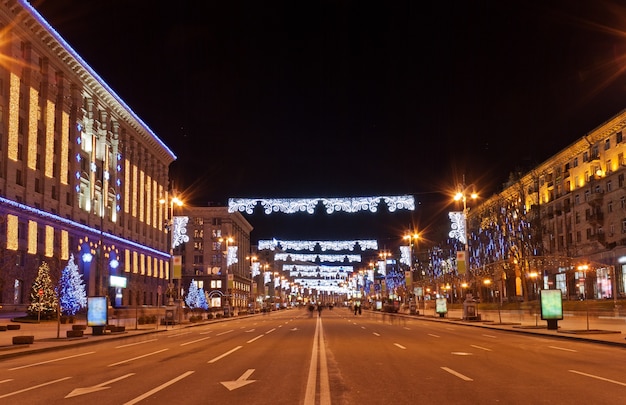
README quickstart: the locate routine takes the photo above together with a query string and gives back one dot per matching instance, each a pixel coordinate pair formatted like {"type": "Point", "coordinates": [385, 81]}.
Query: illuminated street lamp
{"type": "Point", "coordinates": [462, 194]}
{"type": "Point", "coordinates": [533, 275]}
{"type": "Point", "coordinates": [584, 268]}
{"type": "Point", "coordinates": [410, 238]}
{"type": "Point", "coordinates": [169, 226]}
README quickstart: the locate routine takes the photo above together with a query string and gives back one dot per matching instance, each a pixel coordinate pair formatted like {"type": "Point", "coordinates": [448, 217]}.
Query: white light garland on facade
{"type": "Point", "coordinates": [367, 244]}
{"type": "Point", "coordinates": [457, 226]}
{"type": "Point", "coordinates": [311, 257]}
{"type": "Point", "coordinates": [331, 205]}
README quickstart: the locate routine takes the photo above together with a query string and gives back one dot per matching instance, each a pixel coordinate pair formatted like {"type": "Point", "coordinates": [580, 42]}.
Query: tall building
{"type": "Point", "coordinates": [80, 173]}
{"type": "Point", "coordinates": [217, 257]}
{"type": "Point", "coordinates": [575, 203]}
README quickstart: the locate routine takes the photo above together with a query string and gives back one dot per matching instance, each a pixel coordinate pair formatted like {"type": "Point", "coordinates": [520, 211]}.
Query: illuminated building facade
{"type": "Point", "coordinates": [215, 256]}
{"type": "Point", "coordinates": [79, 171]}
{"type": "Point", "coordinates": [575, 206]}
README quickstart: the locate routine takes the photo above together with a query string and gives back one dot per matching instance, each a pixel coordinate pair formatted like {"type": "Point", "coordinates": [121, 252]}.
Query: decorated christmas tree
{"type": "Point", "coordinates": [71, 289]}
{"type": "Point", "coordinates": [43, 298]}
{"type": "Point", "coordinates": [192, 295]}
{"type": "Point", "coordinates": [202, 302]}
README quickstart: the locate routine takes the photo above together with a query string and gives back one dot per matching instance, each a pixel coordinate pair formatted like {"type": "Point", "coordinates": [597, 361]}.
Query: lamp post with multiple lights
{"type": "Point", "coordinates": [169, 226]}
{"type": "Point", "coordinates": [464, 192]}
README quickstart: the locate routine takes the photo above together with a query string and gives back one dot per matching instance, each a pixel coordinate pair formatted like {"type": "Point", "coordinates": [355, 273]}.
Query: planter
{"type": "Point", "coordinates": [79, 327]}
{"type": "Point", "coordinates": [23, 340]}
{"type": "Point", "coordinates": [13, 327]}
{"type": "Point", "coordinates": [74, 333]}
{"type": "Point", "coordinates": [3, 328]}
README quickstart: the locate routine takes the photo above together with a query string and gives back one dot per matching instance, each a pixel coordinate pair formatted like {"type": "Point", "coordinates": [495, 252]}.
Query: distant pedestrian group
{"type": "Point", "coordinates": [357, 308]}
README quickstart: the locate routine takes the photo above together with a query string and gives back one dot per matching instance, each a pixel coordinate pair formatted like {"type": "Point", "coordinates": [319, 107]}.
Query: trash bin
{"type": "Point", "coordinates": [469, 311]}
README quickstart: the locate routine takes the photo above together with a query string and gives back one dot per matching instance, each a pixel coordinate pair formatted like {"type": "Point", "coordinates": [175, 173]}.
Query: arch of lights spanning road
{"type": "Point", "coordinates": [331, 205]}
{"type": "Point", "coordinates": [301, 267]}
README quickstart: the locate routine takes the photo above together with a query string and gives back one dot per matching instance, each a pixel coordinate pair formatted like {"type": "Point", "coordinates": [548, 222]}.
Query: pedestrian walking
{"type": "Point", "coordinates": [319, 310]}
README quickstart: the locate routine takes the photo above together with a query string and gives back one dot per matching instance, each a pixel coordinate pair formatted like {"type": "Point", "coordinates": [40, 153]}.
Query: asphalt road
{"type": "Point", "coordinates": [291, 357]}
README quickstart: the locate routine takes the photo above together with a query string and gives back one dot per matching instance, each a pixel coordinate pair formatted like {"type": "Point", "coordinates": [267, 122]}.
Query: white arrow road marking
{"type": "Point", "coordinates": [157, 389]}
{"type": "Point", "coordinates": [240, 382]}
{"type": "Point", "coordinates": [461, 376]}
{"type": "Point", "coordinates": [99, 387]}
{"type": "Point", "coordinates": [34, 387]}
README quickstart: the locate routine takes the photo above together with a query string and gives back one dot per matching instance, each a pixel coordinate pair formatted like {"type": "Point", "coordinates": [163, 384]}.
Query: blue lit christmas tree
{"type": "Point", "coordinates": [71, 289]}
{"type": "Point", "coordinates": [196, 299]}
{"type": "Point", "coordinates": [43, 298]}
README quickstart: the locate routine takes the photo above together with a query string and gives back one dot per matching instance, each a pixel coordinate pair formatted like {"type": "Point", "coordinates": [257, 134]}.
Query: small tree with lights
{"type": "Point", "coordinates": [43, 297]}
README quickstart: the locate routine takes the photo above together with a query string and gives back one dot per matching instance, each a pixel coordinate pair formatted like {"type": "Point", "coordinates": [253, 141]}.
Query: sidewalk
{"type": "Point", "coordinates": [49, 335]}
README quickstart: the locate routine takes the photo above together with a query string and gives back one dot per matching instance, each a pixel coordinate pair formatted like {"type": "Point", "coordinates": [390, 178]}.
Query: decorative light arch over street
{"type": "Point", "coordinates": [331, 205]}
{"type": "Point", "coordinates": [368, 244]}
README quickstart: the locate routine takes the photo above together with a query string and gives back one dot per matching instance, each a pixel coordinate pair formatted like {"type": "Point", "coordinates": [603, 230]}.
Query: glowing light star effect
{"type": "Point", "coordinates": [331, 205]}
{"type": "Point", "coordinates": [312, 244]}
{"type": "Point", "coordinates": [306, 257]}
{"type": "Point", "coordinates": [179, 231]}
{"type": "Point", "coordinates": [457, 226]}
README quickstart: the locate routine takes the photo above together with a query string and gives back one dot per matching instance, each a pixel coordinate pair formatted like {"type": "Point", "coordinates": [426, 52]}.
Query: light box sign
{"type": "Point", "coordinates": [551, 304]}
{"type": "Point", "coordinates": [441, 306]}
{"type": "Point", "coordinates": [117, 281]}
{"type": "Point", "coordinates": [96, 311]}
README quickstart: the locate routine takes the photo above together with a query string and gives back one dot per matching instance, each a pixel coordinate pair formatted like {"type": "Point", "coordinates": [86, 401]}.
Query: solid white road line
{"type": "Point", "coordinates": [136, 358]}
{"type": "Point", "coordinates": [50, 361]}
{"type": "Point", "coordinates": [34, 387]}
{"type": "Point", "coordinates": [562, 348]}
{"type": "Point", "coordinates": [224, 355]}
{"type": "Point", "coordinates": [136, 343]}
{"type": "Point", "coordinates": [157, 389]}
{"type": "Point", "coordinates": [597, 377]}
{"type": "Point", "coordinates": [195, 341]}
{"type": "Point", "coordinates": [455, 373]}
{"type": "Point", "coordinates": [311, 384]}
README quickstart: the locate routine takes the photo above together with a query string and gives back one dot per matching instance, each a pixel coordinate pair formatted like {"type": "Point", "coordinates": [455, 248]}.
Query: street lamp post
{"type": "Point", "coordinates": [584, 268]}
{"type": "Point", "coordinates": [169, 225]}
{"type": "Point", "coordinates": [227, 240]}
{"type": "Point", "coordinates": [252, 298]}
{"type": "Point", "coordinates": [462, 195]}
{"type": "Point", "coordinates": [410, 237]}
{"type": "Point", "coordinates": [533, 275]}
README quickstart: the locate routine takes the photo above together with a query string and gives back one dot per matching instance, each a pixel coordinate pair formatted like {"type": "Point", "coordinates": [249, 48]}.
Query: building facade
{"type": "Point", "coordinates": [217, 257]}
{"type": "Point", "coordinates": [576, 205]}
{"type": "Point", "coordinates": [81, 174]}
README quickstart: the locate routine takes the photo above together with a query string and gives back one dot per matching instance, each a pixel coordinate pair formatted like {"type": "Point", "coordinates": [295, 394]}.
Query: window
{"type": "Point", "coordinates": [575, 162]}
{"type": "Point", "coordinates": [607, 144]}
{"type": "Point", "coordinates": [20, 151]}
{"type": "Point", "coordinates": [609, 206]}
{"type": "Point", "coordinates": [18, 178]}
{"type": "Point", "coordinates": [37, 186]}
{"type": "Point", "coordinates": [198, 259]}
{"type": "Point", "coordinates": [618, 137]}
{"type": "Point", "coordinates": [608, 186]}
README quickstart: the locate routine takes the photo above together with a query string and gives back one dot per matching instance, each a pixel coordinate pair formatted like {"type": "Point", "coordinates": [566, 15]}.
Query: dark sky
{"type": "Point", "coordinates": [354, 98]}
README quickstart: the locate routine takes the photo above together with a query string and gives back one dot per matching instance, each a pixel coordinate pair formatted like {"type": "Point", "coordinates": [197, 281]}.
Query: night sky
{"type": "Point", "coordinates": [354, 98]}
